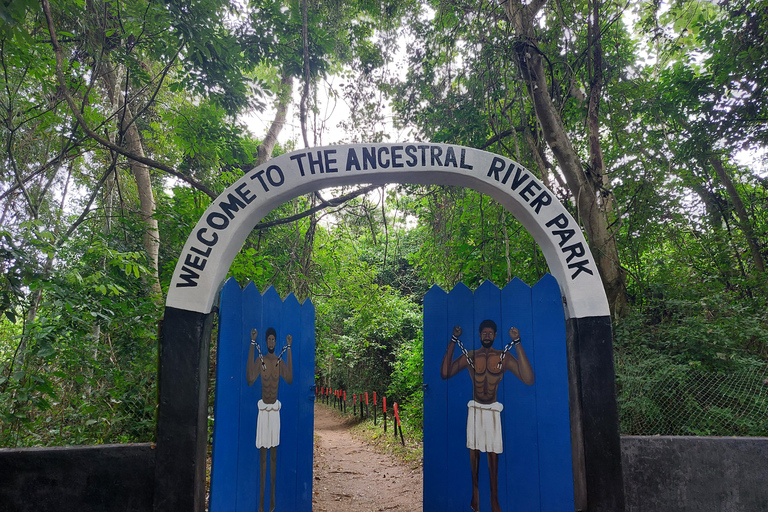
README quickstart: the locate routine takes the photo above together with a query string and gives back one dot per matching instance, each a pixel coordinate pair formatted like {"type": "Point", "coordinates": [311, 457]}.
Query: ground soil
{"type": "Point", "coordinates": [351, 476]}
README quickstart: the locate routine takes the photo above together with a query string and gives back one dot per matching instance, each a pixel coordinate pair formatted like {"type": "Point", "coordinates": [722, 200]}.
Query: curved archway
{"type": "Point", "coordinates": [219, 235]}
{"type": "Point", "coordinates": [223, 228]}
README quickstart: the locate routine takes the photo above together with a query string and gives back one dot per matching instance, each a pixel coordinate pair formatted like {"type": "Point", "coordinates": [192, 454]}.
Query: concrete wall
{"type": "Point", "coordinates": [105, 478]}
{"type": "Point", "coordinates": [661, 474]}
{"type": "Point", "coordinates": [695, 474]}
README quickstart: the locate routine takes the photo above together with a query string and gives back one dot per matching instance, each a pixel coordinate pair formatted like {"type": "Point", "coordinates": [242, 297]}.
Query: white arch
{"type": "Point", "coordinates": [221, 231]}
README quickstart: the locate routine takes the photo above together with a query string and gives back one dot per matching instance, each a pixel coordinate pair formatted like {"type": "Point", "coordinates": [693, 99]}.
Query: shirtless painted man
{"type": "Point", "coordinates": [486, 369]}
{"type": "Point", "coordinates": [270, 368]}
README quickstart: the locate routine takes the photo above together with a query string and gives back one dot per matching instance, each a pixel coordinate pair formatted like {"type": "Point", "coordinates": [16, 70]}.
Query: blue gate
{"type": "Point", "coordinates": [534, 467]}
{"type": "Point", "coordinates": [236, 466]}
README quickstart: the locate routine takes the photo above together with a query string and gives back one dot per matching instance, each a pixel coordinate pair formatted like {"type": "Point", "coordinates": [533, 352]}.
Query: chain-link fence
{"type": "Point", "coordinates": [691, 400]}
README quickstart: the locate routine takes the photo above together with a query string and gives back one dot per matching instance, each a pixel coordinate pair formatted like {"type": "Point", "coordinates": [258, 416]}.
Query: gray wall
{"type": "Point", "coordinates": [718, 474]}
{"type": "Point", "coordinates": [104, 478]}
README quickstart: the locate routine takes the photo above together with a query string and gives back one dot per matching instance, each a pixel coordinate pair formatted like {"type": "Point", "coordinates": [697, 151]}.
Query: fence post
{"type": "Point", "coordinates": [397, 424]}
{"type": "Point", "coordinates": [384, 411]}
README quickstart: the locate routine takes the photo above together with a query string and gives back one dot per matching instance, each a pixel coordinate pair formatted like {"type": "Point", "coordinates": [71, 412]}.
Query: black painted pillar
{"type": "Point", "coordinates": [182, 418]}
{"type": "Point", "coordinates": [591, 343]}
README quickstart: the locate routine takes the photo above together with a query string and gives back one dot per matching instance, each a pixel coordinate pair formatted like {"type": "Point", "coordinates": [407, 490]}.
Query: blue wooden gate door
{"type": "Point", "coordinates": [534, 467]}
{"type": "Point", "coordinates": [236, 467]}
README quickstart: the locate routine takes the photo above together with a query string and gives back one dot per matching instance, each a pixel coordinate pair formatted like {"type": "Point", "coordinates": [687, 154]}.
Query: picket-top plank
{"type": "Point", "coordinates": [435, 397]}
{"type": "Point", "coordinates": [304, 362]}
{"type": "Point", "coordinates": [459, 393]}
{"type": "Point", "coordinates": [552, 396]}
{"type": "Point", "coordinates": [227, 402]}
{"type": "Point", "coordinates": [248, 455]}
{"type": "Point", "coordinates": [487, 306]}
{"type": "Point", "coordinates": [288, 324]}
{"type": "Point", "coordinates": [520, 428]}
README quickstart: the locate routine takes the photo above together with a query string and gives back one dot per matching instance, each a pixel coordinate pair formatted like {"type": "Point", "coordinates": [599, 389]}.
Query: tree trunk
{"type": "Point", "coordinates": [268, 144]}
{"type": "Point", "coordinates": [588, 197]}
{"type": "Point", "coordinates": [743, 216]}
{"type": "Point", "coordinates": [130, 133]}
{"type": "Point", "coordinates": [304, 105]}
{"type": "Point", "coordinates": [305, 261]}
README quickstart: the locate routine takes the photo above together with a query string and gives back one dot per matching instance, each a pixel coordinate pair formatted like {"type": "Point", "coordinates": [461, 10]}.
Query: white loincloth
{"type": "Point", "coordinates": [484, 427]}
{"type": "Point", "coordinates": [268, 425]}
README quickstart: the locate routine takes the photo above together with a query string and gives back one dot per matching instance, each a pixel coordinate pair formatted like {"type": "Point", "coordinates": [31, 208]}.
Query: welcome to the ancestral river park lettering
{"type": "Point", "coordinates": [288, 171]}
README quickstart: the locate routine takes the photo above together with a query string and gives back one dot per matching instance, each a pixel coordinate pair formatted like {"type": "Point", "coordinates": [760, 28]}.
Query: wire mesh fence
{"type": "Point", "coordinates": [691, 400]}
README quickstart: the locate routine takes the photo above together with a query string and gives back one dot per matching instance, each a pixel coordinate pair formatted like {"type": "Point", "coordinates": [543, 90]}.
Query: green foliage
{"type": "Point", "coordinates": [470, 238]}
{"type": "Point", "coordinates": [77, 322]}
{"type": "Point", "coordinates": [407, 383]}
{"type": "Point", "coordinates": [683, 364]}
{"type": "Point", "coordinates": [83, 371]}
{"type": "Point", "coordinates": [367, 308]}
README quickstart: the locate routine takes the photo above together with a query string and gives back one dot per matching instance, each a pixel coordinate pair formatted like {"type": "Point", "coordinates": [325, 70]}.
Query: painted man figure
{"type": "Point", "coordinates": [486, 369]}
{"type": "Point", "coordinates": [270, 367]}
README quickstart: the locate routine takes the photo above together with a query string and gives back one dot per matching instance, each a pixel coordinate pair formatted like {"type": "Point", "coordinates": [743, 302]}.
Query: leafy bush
{"type": "Point", "coordinates": [689, 365]}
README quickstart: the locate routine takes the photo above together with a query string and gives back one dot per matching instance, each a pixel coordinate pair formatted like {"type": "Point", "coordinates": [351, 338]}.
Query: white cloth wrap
{"type": "Point", "coordinates": [484, 427]}
{"type": "Point", "coordinates": [268, 425]}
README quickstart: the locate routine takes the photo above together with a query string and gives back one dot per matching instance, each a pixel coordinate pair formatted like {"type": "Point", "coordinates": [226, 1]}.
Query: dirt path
{"type": "Point", "coordinates": [350, 476]}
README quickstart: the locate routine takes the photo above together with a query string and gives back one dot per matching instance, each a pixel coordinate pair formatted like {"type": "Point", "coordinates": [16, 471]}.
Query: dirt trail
{"type": "Point", "coordinates": [350, 476]}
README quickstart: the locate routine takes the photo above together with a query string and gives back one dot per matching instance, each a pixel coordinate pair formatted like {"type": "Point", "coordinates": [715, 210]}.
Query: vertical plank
{"type": "Point", "coordinates": [520, 426]}
{"type": "Point", "coordinates": [552, 397]}
{"type": "Point", "coordinates": [248, 455]}
{"type": "Point", "coordinates": [288, 323]}
{"type": "Point", "coordinates": [459, 393]}
{"type": "Point", "coordinates": [227, 402]}
{"type": "Point", "coordinates": [436, 336]}
{"type": "Point", "coordinates": [487, 306]}
{"type": "Point", "coordinates": [272, 314]}
{"type": "Point", "coordinates": [304, 361]}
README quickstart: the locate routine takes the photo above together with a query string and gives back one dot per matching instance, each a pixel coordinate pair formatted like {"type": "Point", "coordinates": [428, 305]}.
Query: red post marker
{"type": "Point", "coordinates": [374, 398]}
{"type": "Point", "coordinates": [354, 397]}
{"type": "Point", "coordinates": [398, 425]}
{"type": "Point", "coordinates": [384, 411]}
{"type": "Point", "coordinates": [366, 398]}
{"type": "Point", "coordinates": [345, 395]}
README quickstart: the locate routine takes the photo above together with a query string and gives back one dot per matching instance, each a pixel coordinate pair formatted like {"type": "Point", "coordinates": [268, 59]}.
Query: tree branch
{"type": "Point", "coordinates": [337, 201]}
{"type": "Point", "coordinates": [500, 136]}
{"type": "Point", "coordinates": [95, 136]}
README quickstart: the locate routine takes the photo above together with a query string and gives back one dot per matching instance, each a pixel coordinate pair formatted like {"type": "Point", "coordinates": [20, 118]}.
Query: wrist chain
{"type": "Point", "coordinates": [504, 352]}
{"type": "Point", "coordinates": [463, 351]}
{"type": "Point", "coordinates": [261, 357]}
{"type": "Point", "coordinates": [280, 356]}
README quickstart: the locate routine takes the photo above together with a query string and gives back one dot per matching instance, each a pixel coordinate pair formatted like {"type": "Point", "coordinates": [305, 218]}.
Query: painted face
{"type": "Point", "coordinates": [271, 343]}
{"type": "Point", "coordinates": [487, 336]}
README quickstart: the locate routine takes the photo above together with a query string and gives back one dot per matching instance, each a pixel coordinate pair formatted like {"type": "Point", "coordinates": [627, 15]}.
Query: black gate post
{"type": "Point", "coordinates": [182, 417]}
{"type": "Point", "coordinates": [591, 340]}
